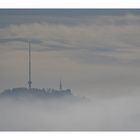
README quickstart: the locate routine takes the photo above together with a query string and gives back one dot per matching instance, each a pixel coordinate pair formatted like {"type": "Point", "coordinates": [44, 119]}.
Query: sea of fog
{"type": "Point", "coordinates": [118, 113]}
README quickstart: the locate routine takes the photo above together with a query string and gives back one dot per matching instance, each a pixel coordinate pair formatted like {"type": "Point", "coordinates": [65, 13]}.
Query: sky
{"type": "Point", "coordinates": [95, 52]}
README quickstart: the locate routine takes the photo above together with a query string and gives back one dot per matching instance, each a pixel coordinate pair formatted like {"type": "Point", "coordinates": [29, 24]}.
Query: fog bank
{"type": "Point", "coordinates": [98, 114]}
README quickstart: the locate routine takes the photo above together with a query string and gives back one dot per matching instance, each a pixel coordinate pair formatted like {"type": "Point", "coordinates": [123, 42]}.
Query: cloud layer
{"type": "Point", "coordinates": [120, 114]}
{"type": "Point", "coordinates": [109, 38]}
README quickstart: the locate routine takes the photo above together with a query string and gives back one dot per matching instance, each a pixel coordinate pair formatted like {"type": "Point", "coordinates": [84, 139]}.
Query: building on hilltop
{"type": "Point", "coordinates": [36, 92]}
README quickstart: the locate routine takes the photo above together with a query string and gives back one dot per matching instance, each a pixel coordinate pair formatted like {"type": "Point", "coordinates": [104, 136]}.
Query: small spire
{"type": "Point", "coordinates": [60, 87]}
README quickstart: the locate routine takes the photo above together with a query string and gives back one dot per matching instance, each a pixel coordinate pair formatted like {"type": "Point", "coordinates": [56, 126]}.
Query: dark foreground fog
{"type": "Point", "coordinates": [98, 114]}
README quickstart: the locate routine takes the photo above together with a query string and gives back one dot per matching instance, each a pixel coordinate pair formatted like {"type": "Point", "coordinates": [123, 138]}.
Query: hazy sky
{"type": "Point", "coordinates": [94, 52]}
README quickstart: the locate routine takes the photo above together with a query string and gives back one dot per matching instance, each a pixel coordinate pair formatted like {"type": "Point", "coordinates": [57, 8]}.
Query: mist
{"type": "Point", "coordinates": [98, 114]}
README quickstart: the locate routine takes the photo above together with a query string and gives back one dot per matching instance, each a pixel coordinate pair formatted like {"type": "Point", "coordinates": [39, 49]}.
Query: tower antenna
{"type": "Point", "coordinates": [29, 82]}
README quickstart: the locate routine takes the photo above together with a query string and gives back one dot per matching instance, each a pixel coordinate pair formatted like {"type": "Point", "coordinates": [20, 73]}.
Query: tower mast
{"type": "Point", "coordinates": [29, 82]}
